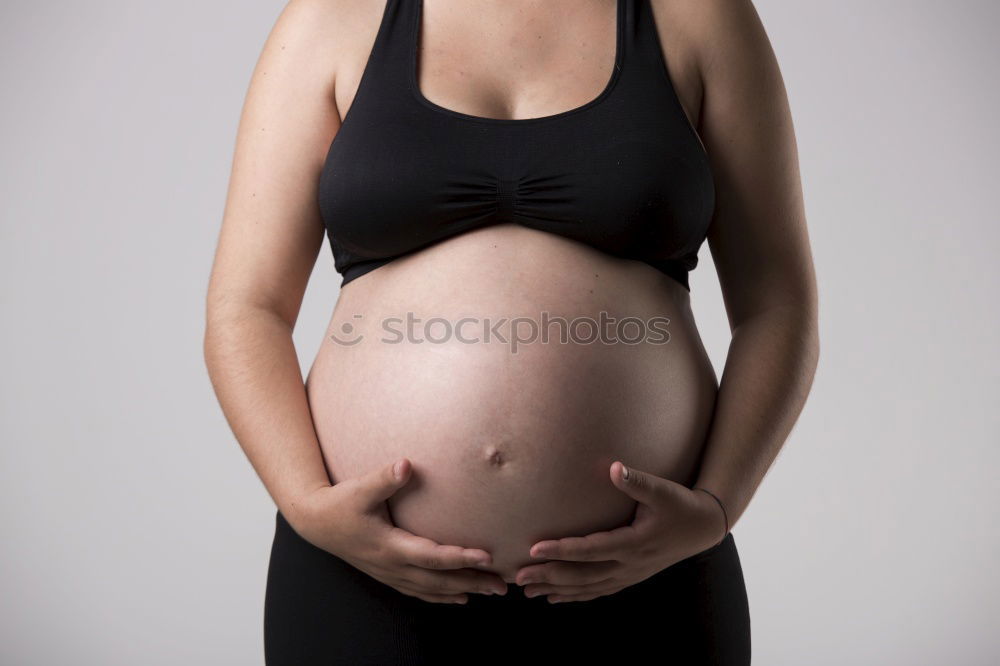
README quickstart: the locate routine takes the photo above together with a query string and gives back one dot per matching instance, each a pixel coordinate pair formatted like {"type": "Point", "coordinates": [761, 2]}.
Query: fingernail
{"type": "Point", "coordinates": [624, 471]}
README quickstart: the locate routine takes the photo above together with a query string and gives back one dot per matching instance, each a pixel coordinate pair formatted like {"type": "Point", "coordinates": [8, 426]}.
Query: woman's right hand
{"type": "Point", "coordinates": [350, 519]}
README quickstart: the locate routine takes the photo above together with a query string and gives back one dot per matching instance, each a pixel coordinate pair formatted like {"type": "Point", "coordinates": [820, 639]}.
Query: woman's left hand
{"type": "Point", "coordinates": [672, 522]}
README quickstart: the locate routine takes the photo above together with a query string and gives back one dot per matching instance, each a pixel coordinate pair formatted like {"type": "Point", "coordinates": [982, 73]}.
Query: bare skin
{"type": "Point", "coordinates": [511, 444]}
{"type": "Point", "coordinates": [496, 473]}
{"type": "Point", "coordinates": [760, 246]}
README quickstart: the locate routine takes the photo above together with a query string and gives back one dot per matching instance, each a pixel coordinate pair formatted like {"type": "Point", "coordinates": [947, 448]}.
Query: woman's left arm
{"type": "Point", "coordinates": [760, 247]}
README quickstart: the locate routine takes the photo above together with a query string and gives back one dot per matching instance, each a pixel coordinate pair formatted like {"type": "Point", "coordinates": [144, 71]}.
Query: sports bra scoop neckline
{"type": "Point", "coordinates": [625, 173]}
{"type": "Point", "coordinates": [414, 83]}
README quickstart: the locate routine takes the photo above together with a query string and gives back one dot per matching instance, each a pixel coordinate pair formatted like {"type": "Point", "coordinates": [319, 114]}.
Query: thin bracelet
{"type": "Point", "coordinates": [724, 514]}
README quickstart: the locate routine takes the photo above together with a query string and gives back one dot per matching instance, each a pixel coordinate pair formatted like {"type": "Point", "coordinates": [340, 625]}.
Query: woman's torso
{"type": "Point", "coordinates": [512, 435]}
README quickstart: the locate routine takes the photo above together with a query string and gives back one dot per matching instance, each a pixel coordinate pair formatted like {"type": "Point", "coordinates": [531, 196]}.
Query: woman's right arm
{"type": "Point", "coordinates": [271, 235]}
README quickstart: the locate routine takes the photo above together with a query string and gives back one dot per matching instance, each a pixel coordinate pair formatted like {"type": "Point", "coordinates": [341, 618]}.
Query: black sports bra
{"type": "Point", "coordinates": [624, 173]}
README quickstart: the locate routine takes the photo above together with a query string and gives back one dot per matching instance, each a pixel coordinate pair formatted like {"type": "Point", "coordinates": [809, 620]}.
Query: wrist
{"type": "Point", "coordinates": [296, 506]}
{"type": "Point", "coordinates": [720, 507]}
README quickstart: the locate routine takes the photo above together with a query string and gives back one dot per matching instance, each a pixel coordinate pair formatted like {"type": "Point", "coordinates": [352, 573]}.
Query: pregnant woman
{"type": "Point", "coordinates": [511, 445]}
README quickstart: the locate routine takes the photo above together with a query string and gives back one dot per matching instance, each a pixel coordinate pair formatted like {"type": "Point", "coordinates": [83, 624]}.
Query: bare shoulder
{"type": "Point", "coordinates": [714, 35]}
{"type": "Point", "coordinates": [271, 229]}
{"type": "Point", "coordinates": [313, 32]}
{"type": "Point", "coordinates": [703, 39]}
{"type": "Point", "coordinates": [325, 37]}
{"type": "Point", "coordinates": [731, 40]}
{"type": "Point", "coordinates": [313, 23]}
{"type": "Point", "coordinates": [758, 234]}
{"type": "Point", "coordinates": [354, 24]}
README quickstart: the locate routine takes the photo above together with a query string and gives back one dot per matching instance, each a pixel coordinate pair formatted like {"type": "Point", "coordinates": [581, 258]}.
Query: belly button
{"type": "Point", "coordinates": [494, 456]}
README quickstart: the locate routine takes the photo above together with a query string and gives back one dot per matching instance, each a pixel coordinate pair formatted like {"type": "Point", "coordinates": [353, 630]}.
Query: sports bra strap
{"type": "Point", "coordinates": [393, 58]}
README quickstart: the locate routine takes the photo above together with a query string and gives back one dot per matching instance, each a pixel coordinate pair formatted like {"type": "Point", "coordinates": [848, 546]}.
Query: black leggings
{"type": "Point", "coordinates": [321, 610]}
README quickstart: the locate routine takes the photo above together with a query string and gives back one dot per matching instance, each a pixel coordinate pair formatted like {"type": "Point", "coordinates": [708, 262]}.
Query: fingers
{"type": "Point", "coordinates": [378, 486]}
{"type": "Point", "coordinates": [437, 569]}
{"type": "Point", "coordinates": [583, 594]}
{"type": "Point", "coordinates": [428, 554]}
{"type": "Point", "coordinates": [458, 581]}
{"type": "Point", "coordinates": [615, 544]}
{"type": "Point", "coordinates": [574, 592]}
{"type": "Point", "coordinates": [601, 588]}
{"type": "Point", "coordinates": [640, 486]}
{"type": "Point", "coordinates": [399, 578]}
{"type": "Point", "coordinates": [434, 598]}
{"type": "Point", "coordinates": [566, 573]}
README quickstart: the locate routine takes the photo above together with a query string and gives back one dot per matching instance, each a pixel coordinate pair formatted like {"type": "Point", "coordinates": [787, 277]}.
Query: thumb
{"type": "Point", "coordinates": [381, 484]}
{"type": "Point", "coordinates": [640, 486]}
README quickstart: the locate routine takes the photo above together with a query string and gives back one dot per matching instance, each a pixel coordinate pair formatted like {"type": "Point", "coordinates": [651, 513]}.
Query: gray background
{"type": "Point", "coordinates": [134, 530]}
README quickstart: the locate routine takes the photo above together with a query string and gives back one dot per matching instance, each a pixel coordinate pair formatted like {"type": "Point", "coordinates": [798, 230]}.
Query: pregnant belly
{"type": "Point", "coordinates": [511, 434]}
